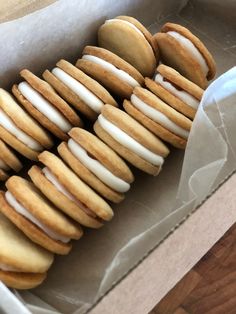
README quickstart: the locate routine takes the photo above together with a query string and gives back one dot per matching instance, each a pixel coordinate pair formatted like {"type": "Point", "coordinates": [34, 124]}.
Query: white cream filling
{"type": "Point", "coordinates": [125, 22]}
{"type": "Point", "coordinates": [44, 106]}
{"type": "Point", "coordinates": [9, 125]}
{"type": "Point", "coordinates": [24, 212]}
{"type": "Point", "coordinates": [5, 267]}
{"type": "Point", "coordinates": [97, 168]}
{"type": "Point", "coordinates": [79, 89]}
{"type": "Point", "coordinates": [158, 117]}
{"type": "Point", "coordinates": [122, 75]}
{"type": "Point", "coordinates": [184, 96]}
{"type": "Point", "coordinates": [50, 176]}
{"type": "Point", "coordinates": [192, 50]}
{"type": "Point", "coordinates": [3, 165]}
{"type": "Point", "coordinates": [130, 143]}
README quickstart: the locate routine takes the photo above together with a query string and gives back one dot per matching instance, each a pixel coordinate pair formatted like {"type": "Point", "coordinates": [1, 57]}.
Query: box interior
{"type": "Point", "coordinates": [154, 205]}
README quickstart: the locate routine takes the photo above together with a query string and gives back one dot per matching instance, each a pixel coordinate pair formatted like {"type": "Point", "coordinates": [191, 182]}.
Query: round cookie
{"type": "Point", "coordinates": [19, 130]}
{"type": "Point", "coordinates": [69, 184]}
{"type": "Point", "coordinates": [96, 164]}
{"type": "Point", "coordinates": [26, 207]}
{"type": "Point", "coordinates": [177, 91]}
{"type": "Point", "coordinates": [117, 75]}
{"type": "Point", "coordinates": [78, 89]}
{"type": "Point", "coordinates": [161, 119]}
{"type": "Point", "coordinates": [131, 140]}
{"type": "Point", "coordinates": [130, 40]}
{"type": "Point", "coordinates": [43, 181]}
{"type": "Point", "coordinates": [183, 51]}
{"type": "Point", "coordinates": [8, 161]}
{"type": "Point", "coordinates": [47, 107]}
{"type": "Point", "coordinates": [23, 264]}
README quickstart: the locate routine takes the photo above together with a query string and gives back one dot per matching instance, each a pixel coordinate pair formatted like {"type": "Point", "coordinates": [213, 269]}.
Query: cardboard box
{"type": "Point", "coordinates": [154, 239]}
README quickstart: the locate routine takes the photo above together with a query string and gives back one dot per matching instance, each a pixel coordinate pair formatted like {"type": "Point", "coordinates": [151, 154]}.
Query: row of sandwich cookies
{"type": "Point", "coordinates": [61, 197]}
{"type": "Point", "coordinates": [168, 86]}
{"type": "Point", "coordinates": [27, 127]}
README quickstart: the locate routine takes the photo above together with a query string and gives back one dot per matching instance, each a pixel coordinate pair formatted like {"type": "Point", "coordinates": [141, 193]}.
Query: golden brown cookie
{"type": "Point", "coordinates": [131, 140]}
{"type": "Point", "coordinates": [32, 213]}
{"type": "Point", "coordinates": [45, 105]}
{"type": "Point", "coordinates": [23, 264]}
{"type": "Point", "coordinates": [117, 75]}
{"type": "Point", "coordinates": [19, 130]}
{"type": "Point", "coordinates": [130, 40]}
{"type": "Point", "coordinates": [96, 164]}
{"type": "Point", "coordinates": [68, 205]}
{"type": "Point", "coordinates": [177, 91]}
{"type": "Point", "coordinates": [161, 119]}
{"type": "Point", "coordinates": [78, 89]}
{"type": "Point", "coordinates": [183, 51]}
{"type": "Point", "coordinates": [68, 183]}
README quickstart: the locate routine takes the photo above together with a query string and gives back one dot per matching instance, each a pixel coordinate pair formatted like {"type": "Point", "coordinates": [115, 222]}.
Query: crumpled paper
{"type": "Point", "coordinates": [154, 205]}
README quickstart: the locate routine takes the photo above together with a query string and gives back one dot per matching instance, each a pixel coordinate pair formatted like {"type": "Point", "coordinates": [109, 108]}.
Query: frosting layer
{"type": "Point", "coordinates": [44, 106]}
{"type": "Point", "coordinates": [79, 89]}
{"type": "Point", "coordinates": [158, 117]}
{"type": "Point", "coordinates": [130, 143]}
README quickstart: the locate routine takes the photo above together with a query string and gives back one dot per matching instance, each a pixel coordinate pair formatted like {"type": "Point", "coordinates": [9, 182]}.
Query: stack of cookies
{"type": "Point", "coordinates": [134, 102]}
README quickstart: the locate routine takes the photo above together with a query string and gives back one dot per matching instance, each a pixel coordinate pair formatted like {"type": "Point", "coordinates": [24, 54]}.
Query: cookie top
{"type": "Point", "coordinates": [25, 194]}
{"type": "Point", "coordinates": [183, 51]}
{"type": "Point", "coordinates": [44, 180]}
{"type": "Point", "coordinates": [101, 152]}
{"type": "Point", "coordinates": [83, 92]}
{"type": "Point", "coordinates": [47, 107]}
{"type": "Point", "coordinates": [110, 70]}
{"type": "Point", "coordinates": [124, 31]}
{"type": "Point", "coordinates": [93, 204]}
{"type": "Point", "coordinates": [134, 129]}
{"type": "Point", "coordinates": [20, 254]}
{"type": "Point", "coordinates": [180, 81]}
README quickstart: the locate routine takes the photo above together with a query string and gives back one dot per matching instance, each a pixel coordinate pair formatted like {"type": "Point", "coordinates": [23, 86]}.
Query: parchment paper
{"type": "Point", "coordinates": [154, 205]}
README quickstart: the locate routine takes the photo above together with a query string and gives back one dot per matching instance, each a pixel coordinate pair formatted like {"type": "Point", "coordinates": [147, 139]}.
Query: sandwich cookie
{"type": "Point", "coordinates": [47, 107]}
{"type": "Point", "coordinates": [117, 75]}
{"type": "Point", "coordinates": [183, 51]}
{"type": "Point", "coordinates": [177, 91]}
{"type": "Point", "coordinates": [19, 130]}
{"type": "Point", "coordinates": [78, 89]}
{"type": "Point", "coordinates": [71, 195]}
{"type": "Point", "coordinates": [130, 40]}
{"type": "Point", "coordinates": [161, 119]}
{"type": "Point", "coordinates": [32, 213]}
{"type": "Point", "coordinates": [131, 140]}
{"type": "Point", "coordinates": [23, 264]}
{"type": "Point", "coordinates": [96, 164]}
{"type": "Point", "coordinates": [8, 161]}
